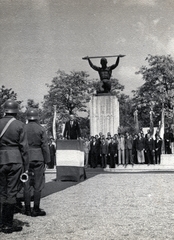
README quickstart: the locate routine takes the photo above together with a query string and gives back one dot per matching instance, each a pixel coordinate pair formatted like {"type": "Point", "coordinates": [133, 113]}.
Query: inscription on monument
{"type": "Point", "coordinates": [105, 117]}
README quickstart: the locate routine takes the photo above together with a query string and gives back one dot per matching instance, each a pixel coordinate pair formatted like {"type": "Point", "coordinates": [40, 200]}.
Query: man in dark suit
{"type": "Point", "coordinates": [112, 152]}
{"type": "Point", "coordinates": [72, 129]}
{"type": "Point", "coordinates": [93, 153]}
{"type": "Point", "coordinates": [52, 148]}
{"type": "Point", "coordinates": [158, 146]}
{"type": "Point", "coordinates": [128, 148]}
{"type": "Point", "coordinates": [150, 149]}
{"type": "Point", "coordinates": [167, 142]}
{"type": "Point", "coordinates": [103, 153]}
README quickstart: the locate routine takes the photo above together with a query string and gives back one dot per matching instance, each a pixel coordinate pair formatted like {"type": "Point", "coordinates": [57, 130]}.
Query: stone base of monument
{"type": "Point", "coordinates": [167, 165]}
{"type": "Point", "coordinates": [104, 114]}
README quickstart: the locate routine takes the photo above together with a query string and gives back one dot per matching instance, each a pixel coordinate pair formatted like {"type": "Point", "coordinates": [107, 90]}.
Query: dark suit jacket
{"type": "Point", "coordinates": [158, 146]}
{"type": "Point", "coordinates": [140, 143]}
{"type": "Point", "coordinates": [72, 132]}
{"type": "Point", "coordinates": [128, 143]}
{"type": "Point", "coordinates": [93, 148]}
{"type": "Point", "coordinates": [150, 145]}
{"type": "Point", "coordinates": [112, 149]}
{"type": "Point", "coordinates": [104, 148]}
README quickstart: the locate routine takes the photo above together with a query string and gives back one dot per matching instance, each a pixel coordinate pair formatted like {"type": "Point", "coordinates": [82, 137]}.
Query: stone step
{"type": "Point", "coordinates": [167, 164]}
{"type": "Point", "coordinates": [167, 159]}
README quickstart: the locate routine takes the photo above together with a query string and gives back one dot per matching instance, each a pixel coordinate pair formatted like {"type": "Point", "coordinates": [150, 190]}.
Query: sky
{"type": "Point", "coordinates": [40, 37]}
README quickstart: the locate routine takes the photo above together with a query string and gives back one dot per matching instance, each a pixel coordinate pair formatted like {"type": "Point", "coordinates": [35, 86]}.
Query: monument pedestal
{"type": "Point", "coordinates": [104, 114]}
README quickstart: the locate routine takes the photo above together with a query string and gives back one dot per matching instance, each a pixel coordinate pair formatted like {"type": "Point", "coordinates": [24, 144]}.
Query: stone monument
{"type": "Point", "coordinates": [104, 114]}
{"type": "Point", "coordinates": [104, 107]}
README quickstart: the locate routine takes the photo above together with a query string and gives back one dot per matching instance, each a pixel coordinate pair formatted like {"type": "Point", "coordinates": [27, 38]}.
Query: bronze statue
{"type": "Point", "coordinates": [104, 71]}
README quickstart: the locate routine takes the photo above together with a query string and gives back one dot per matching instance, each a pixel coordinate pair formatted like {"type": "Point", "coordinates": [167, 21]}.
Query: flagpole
{"type": "Point", "coordinates": [136, 121]}
{"type": "Point", "coordinates": [54, 123]}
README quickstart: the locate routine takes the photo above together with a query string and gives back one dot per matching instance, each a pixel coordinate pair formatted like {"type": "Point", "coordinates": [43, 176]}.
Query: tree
{"type": "Point", "coordinates": [5, 94]}
{"type": "Point", "coordinates": [31, 104]}
{"type": "Point", "coordinates": [154, 93]}
{"type": "Point", "coordinates": [126, 114]}
{"type": "Point", "coordinates": [69, 93]}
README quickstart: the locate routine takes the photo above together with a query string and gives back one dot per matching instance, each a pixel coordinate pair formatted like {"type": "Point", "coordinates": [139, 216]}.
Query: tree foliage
{"type": "Point", "coordinates": [155, 92]}
{"type": "Point", "coordinates": [5, 94]}
{"type": "Point", "coordinates": [126, 114]}
{"type": "Point", "coordinates": [30, 104]}
{"type": "Point", "coordinates": [69, 93]}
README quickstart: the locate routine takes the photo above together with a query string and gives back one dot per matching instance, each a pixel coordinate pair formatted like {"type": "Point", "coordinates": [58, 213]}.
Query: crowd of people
{"type": "Point", "coordinates": [124, 149]}
{"type": "Point", "coordinates": [120, 149]}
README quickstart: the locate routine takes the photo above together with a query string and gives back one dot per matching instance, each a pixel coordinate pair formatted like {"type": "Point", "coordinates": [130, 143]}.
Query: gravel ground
{"type": "Point", "coordinates": [105, 207]}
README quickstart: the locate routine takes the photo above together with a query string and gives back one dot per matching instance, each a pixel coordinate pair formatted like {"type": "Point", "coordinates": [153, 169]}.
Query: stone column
{"type": "Point", "coordinates": [104, 114]}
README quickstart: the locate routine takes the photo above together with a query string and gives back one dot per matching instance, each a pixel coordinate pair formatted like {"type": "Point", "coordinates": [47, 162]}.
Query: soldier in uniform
{"type": "Point", "coordinates": [13, 161]}
{"type": "Point", "coordinates": [39, 155]}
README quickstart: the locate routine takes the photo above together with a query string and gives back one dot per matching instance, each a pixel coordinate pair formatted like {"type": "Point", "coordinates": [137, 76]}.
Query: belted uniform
{"type": "Point", "coordinates": [13, 159]}
{"type": "Point", "coordinates": [39, 155]}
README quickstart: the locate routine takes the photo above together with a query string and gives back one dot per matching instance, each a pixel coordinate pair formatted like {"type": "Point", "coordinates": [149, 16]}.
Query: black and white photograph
{"type": "Point", "coordinates": [86, 119]}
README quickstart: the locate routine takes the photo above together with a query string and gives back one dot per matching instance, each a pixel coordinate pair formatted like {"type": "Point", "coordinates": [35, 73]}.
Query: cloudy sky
{"type": "Point", "coordinates": [38, 37]}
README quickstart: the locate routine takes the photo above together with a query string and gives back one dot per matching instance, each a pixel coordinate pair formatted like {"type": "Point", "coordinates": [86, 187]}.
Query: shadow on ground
{"type": "Point", "coordinates": [56, 186]}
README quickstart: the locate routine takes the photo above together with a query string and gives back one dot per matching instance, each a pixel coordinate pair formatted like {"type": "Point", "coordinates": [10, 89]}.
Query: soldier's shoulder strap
{"type": "Point", "coordinates": [6, 126]}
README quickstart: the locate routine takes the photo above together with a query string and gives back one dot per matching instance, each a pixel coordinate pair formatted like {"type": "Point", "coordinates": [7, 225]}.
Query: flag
{"type": "Point", "coordinates": [151, 122]}
{"type": "Point", "coordinates": [161, 127]}
{"type": "Point", "coordinates": [136, 121]}
{"type": "Point", "coordinates": [70, 160]}
{"type": "Point", "coordinates": [54, 124]}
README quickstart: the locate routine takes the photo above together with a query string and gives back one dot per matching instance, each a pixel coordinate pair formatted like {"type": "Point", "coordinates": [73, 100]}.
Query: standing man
{"type": "Point", "coordinates": [121, 150]}
{"type": "Point", "coordinates": [72, 129]}
{"type": "Point", "coordinates": [150, 149]}
{"type": "Point", "coordinates": [13, 161]}
{"type": "Point", "coordinates": [112, 152]}
{"type": "Point", "coordinates": [158, 146]}
{"type": "Point", "coordinates": [128, 147]}
{"type": "Point", "coordinates": [39, 156]}
{"type": "Point", "coordinates": [52, 148]}
{"type": "Point", "coordinates": [93, 153]}
{"type": "Point", "coordinates": [167, 142]}
{"type": "Point", "coordinates": [140, 148]}
{"type": "Point", "coordinates": [103, 153]}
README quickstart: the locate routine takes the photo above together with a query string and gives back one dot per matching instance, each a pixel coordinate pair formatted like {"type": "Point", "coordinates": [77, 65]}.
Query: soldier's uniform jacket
{"type": "Point", "coordinates": [37, 141]}
{"type": "Point", "coordinates": [13, 144]}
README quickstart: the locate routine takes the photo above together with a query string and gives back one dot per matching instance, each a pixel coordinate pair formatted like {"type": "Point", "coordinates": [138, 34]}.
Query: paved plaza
{"type": "Point", "coordinates": [107, 206]}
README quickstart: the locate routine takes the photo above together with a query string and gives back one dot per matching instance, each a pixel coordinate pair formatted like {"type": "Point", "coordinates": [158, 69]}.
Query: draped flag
{"type": "Point", "coordinates": [161, 127]}
{"type": "Point", "coordinates": [54, 124]}
{"type": "Point", "coordinates": [151, 122]}
{"type": "Point", "coordinates": [70, 160]}
{"type": "Point", "coordinates": [136, 121]}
